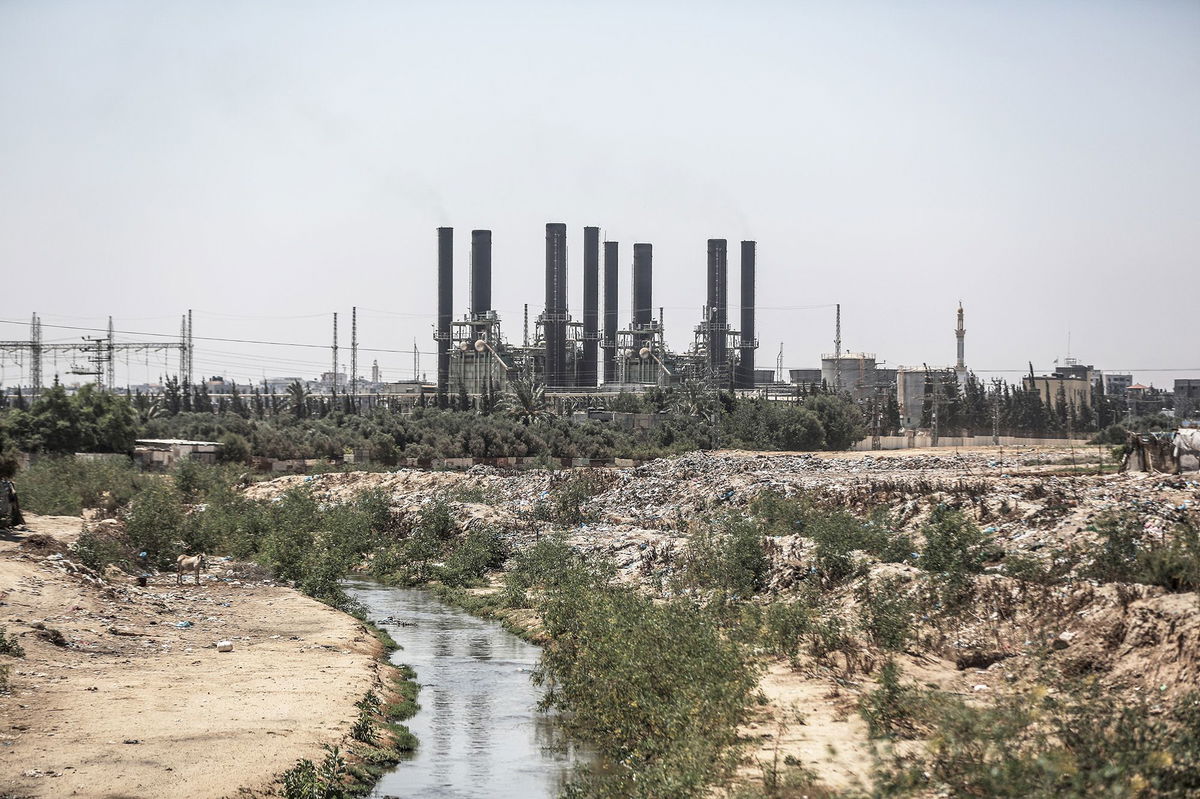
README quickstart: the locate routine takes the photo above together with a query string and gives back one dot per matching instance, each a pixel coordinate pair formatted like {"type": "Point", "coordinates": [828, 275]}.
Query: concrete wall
{"type": "Point", "coordinates": [922, 440]}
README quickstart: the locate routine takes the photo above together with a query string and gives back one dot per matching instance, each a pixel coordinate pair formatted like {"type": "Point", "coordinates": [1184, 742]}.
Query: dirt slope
{"type": "Point", "coordinates": [132, 706]}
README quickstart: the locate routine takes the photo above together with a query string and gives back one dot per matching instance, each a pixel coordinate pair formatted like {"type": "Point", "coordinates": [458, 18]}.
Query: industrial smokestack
{"type": "Point", "coordinates": [718, 306]}
{"type": "Point", "coordinates": [481, 272]}
{"type": "Point", "coordinates": [643, 278]}
{"type": "Point", "coordinates": [556, 304]}
{"type": "Point", "coordinates": [610, 311]}
{"type": "Point", "coordinates": [445, 310]}
{"type": "Point", "coordinates": [591, 305]}
{"type": "Point", "coordinates": [746, 361]}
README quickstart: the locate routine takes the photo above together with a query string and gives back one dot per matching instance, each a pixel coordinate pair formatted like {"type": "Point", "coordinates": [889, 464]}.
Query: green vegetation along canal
{"type": "Point", "coordinates": [480, 732]}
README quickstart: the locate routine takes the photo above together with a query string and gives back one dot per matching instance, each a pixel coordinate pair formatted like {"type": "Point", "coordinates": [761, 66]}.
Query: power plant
{"type": "Point", "coordinates": [595, 353]}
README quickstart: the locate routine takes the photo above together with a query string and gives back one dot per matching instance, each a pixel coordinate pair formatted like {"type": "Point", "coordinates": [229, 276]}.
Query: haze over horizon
{"type": "Point", "coordinates": [269, 164]}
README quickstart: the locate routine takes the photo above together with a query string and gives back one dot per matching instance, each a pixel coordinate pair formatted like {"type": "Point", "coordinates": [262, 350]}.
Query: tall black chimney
{"type": "Point", "coordinates": [643, 278]}
{"type": "Point", "coordinates": [481, 272]}
{"type": "Point", "coordinates": [591, 305]}
{"type": "Point", "coordinates": [718, 307]}
{"type": "Point", "coordinates": [746, 361]}
{"type": "Point", "coordinates": [556, 305]}
{"type": "Point", "coordinates": [445, 309]}
{"type": "Point", "coordinates": [610, 312]}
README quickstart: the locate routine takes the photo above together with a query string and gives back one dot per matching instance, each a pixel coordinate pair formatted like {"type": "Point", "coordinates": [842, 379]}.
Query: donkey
{"type": "Point", "coordinates": [193, 564]}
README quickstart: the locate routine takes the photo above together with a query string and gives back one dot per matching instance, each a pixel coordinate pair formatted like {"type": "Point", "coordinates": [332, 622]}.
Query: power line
{"type": "Point", "coordinates": [218, 338]}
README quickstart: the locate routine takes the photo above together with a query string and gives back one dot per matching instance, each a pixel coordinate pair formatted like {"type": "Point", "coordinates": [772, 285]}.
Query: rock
{"type": "Point", "coordinates": [1063, 640]}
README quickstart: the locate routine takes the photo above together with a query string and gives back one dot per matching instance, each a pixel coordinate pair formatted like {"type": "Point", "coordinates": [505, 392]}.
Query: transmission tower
{"type": "Point", "coordinates": [333, 373]}
{"type": "Point", "coordinates": [837, 350]}
{"type": "Point", "coordinates": [100, 353]}
{"type": "Point", "coordinates": [35, 350]}
{"type": "Point", "coordinates": [110, 377]}
{"type": "Point", "coordinates": [354, 351]}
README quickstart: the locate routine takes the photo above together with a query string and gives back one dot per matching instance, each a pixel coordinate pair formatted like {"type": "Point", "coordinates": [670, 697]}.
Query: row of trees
{"type": "Point", "coordinates": [522, 422]}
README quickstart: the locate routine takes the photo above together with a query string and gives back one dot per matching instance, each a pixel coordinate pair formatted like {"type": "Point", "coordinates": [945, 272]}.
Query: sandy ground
{"type": "Point", "coordinates": [133, 706]}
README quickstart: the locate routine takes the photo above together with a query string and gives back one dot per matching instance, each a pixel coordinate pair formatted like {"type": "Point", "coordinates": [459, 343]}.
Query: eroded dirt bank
{"type": "Point", "coordinates": [122, 693]}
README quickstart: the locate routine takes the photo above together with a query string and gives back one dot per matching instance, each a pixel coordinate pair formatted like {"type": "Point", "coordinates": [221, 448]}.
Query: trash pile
{"type": "Point", "coordinates": [638, 516]}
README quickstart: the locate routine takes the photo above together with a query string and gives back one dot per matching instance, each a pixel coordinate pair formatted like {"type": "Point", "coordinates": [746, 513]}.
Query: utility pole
{"type": "Point", "coordinates": [183, 341]}
{"type": "Point", "coordinates": [354, 353]}
{"type": "Point", "coordinates": [837, 351]}
{"type": "Point", "coordinates": [35, 362]}
{"type": "Point", "coordinates": [111, 376]}
{"type": "Point", "coordinates": [333, 374]}
{"type": "Point", "coordinates": [188, 347]}
{"type": "Point", "coordinates": [416, 364]}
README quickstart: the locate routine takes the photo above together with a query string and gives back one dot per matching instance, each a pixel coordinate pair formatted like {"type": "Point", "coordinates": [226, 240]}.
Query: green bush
{"type": "Point", "coordinates": [64, 486]}
{"type": "Point", "coordinates": [157, 524]}
{"type": "Point", "coordinates": [892, 709]}
{"type": "Point", "coordinates": [655, 687]}
{"type": "Point", "coordinates": [1167, 557]}
{"type": "Point", "coordinates": [953, 543]}
{"type": "Point", "coordinates": [786, 626]}
{"type": "Point", "coordinates": [481, 549]}
{"type": "Point", "coordinates": [9, 645]}
{"type": "Point", "coordinates": [549, 563]}
{"type": "Point", "coordinates": [885, 612]}
{"type": "Point", "coordinates": [306, 780]}
{"type": "Point", "coordinates": [1078, 742]}
{"type": "Point", "coordinates": [725, 559]}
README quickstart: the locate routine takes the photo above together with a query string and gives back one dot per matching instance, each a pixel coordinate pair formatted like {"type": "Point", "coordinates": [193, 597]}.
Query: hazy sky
{"type": "Point", "coordinates": [267, 164]}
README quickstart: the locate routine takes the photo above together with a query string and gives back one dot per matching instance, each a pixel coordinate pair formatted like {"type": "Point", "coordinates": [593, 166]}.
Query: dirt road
{"type": "Point", "coordinates": [135, 701]}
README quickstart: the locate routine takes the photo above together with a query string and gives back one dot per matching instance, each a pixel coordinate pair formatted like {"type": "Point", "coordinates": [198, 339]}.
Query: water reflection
{"type": "Point", "coordinates": [480, 732]}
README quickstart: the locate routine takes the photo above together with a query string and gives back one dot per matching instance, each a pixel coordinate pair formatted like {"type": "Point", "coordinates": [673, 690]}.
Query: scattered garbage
{"type": "Point", "coordinates": [224, 646]}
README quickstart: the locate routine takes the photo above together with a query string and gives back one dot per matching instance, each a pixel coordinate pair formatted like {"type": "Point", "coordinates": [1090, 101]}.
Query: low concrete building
{"type": "Point", "coordinates": [1187, 398]}
{"type": "Point", "coordinates": [913, 385]}
{"type": "Point", "coordinates": [1116, 385]}
{"type": "Point", "coordinates": [1057, 387]}
{"type": "Point", "coordinates": [163, 453]}
{"type": "Point", "coordinates": [805, 377]}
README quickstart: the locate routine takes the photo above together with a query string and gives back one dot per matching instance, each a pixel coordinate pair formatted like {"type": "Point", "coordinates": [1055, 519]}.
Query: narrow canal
{"type": "Point", "coordinates": [480, 732]}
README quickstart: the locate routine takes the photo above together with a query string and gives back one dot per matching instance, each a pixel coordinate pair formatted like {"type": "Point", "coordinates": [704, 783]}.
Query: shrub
{"type": "Point", "coordinates": [64, 486]}
{"type": "Point", "coordinates": [787, 624]}
{"type": "Point", "coordinates": [479, 550]}
{"type": "Point", "coordinates": [306, 780]}
{"type": "Point", "coordinates": [1079, 742]}
{"type": "Point", "coordinates": [892, 708]}
{"type": "Point", "coordinates": [234, 449]}
{"type": "Point", "coordinates": [156, 524]}
{"type": "Point", "coordinates": [953, 543]}
{"type": "Point", "coordinates": [728, 560]}
{"type": "Point", "coordinates": [9, 645]}
{"type": "Point", "coordinates": [655, 687]}
{"type": "Point", "coordinates": [1168, 557]}
{"type": "Point", "coordinates": [548, 563]}
{"type": "Point", "coordinates": [885, 612]}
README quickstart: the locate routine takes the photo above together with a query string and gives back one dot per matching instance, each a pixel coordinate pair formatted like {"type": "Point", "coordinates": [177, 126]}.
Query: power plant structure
{"type": "Point", "coordinates": [594, 354]}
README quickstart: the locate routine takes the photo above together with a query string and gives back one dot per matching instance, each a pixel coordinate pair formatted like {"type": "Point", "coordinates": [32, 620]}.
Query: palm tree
{"type": "Point", "coordinates": [526, 400]}
{"type": "Point", "coordinates": [693, 399]}
{"type": "Point", "coordinates": [299, 399]}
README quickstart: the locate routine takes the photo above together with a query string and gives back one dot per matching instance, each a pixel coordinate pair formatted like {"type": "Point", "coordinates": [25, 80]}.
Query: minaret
{"type": "Point", "coordinates": [960, 333]}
